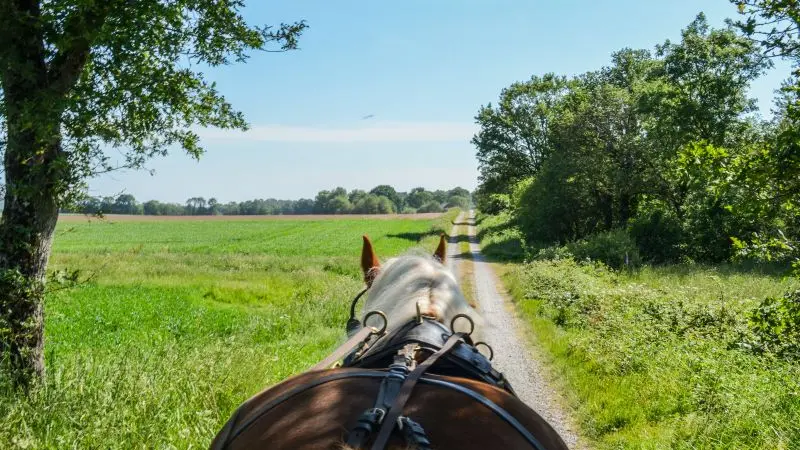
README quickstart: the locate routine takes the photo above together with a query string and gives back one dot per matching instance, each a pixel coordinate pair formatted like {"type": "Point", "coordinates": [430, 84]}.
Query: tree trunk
{"type": "Point", "coordinates": [28, 222]}
{"type": "Point", "coordinates": [35, 169]}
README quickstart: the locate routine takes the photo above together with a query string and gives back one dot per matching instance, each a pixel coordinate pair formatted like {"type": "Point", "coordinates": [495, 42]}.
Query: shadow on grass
{"type": "Point", "coordinates": [463, 257]}
{"type": "Point", "coordinates": [508, 250]}
{"type": "Point", "coordinates": [771, 270]}
{"type": "Point", "coordinates": [414, 237]}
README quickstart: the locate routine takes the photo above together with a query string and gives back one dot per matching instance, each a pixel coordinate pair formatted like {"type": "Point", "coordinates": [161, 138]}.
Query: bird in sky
{"type": "Point", "coordinates": [368, 116]}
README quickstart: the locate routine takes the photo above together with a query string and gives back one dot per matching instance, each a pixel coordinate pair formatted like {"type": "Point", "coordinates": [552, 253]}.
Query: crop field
{"type": "Point", "coordinates": [175, 322]}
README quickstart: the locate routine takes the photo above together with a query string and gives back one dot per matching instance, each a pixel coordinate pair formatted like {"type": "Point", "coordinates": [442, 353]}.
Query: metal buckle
{"type": "Point", "coordinates": [381, 413]}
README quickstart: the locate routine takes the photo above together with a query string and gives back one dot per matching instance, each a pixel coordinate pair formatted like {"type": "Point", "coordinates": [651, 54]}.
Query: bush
{"type": "Point", "coordinates": [614, 248]}
{"type": "Point", "coordinates": [775, 325]}
{"type": "Point", "coordinates": [493, 204]}
{"type": "Point", "coordinates": [431, 207]}
{"type": "Point", "coordinates": [658, 236]}
{"type": "Point", "coordinates": [553, 253]}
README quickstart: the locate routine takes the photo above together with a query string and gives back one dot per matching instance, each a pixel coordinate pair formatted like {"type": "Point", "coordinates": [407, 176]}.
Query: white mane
{"type": "Point", "coordinates": [408, 280]}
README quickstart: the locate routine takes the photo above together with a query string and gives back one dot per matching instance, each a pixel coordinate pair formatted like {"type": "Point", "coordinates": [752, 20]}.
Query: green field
{"type": "Point", "coordinates": [654, 357]}
{"type": "Point", "coordinates": [181, 321]}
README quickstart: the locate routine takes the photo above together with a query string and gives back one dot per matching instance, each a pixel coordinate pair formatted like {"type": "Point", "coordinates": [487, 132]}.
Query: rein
{"type": "Point", "coordinates": [354, 324]}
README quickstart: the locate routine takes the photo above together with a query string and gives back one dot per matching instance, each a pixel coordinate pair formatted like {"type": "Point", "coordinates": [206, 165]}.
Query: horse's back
{"type": "Point", "coordinates": [315, 410]}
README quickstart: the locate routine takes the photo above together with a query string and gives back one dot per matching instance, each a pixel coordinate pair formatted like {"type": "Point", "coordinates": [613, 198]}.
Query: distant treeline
{"type": "Point", "coordinates": [382, 199]}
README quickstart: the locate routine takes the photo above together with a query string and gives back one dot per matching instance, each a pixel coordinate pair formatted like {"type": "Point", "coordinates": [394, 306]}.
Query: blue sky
{"type": "Point", "coordinates": [421, 68]}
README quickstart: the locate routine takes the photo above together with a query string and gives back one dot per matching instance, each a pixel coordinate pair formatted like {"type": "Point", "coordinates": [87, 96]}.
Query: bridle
{"type": "Point", "coordinates": [366, 353]}
{"type": "Point", "coordinates": [455, 352]}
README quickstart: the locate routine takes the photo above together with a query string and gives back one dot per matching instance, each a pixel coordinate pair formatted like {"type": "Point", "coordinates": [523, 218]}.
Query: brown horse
{"type": "Point", "coordinates": [412, 376]}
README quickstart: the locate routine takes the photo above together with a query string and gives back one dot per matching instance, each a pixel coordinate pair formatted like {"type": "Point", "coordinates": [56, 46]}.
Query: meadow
{"type": "Point", "coordinates": [175, 323]}
{"type": "Point", "coordinates": [656, 356]}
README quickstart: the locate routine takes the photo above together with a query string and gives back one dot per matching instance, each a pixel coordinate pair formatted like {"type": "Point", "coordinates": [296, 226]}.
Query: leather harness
{"type": "Point", "coordinates": [455, 354]}
{"type": "Point", "coordinates": [440, 350]}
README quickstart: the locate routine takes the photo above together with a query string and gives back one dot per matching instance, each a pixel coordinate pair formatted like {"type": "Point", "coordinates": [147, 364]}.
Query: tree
{"type": "Point", "coordinates": [389, 192]}
{"type": "Point", "coordinates": [418, 197]}
{"type": "Point", "coordinates": [700, 94]}
{"type": "Point", "coordinates": [513, 139]}
{"type": "Point", "coordinates": [304, 206]}
{"type": "Point", "coordinates": [195, 206]}
{"type": "Point", "coordinates": [457, 201]}
{"type": "Point", "coordinates": [356, 195]}
{"type": "Point", "coordinates": [431, 207]}
{"type": "Point", "coordinates": [80, 76]}
{"type": "Point", "coordinates": [152, 208]}
{"type": "Point", "coordinates": [774, 25]}
{"type": "Point", "coordinates": [214, 207]}
{"type": "Point", "coordinates": [126, 204]}
{"type": "Point", "coordinates": [374, 204]}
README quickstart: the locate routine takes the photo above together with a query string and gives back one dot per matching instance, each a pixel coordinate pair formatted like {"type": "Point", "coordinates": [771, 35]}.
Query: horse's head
{"type": "Point", "coordinates": [415, 284]}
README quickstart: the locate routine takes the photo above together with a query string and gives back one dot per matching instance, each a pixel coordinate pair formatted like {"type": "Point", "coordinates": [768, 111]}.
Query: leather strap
{"type": "Point", "coordinates": [356, 340]}
{"type": "Point", "coordinates": [372, 418]}
{"type": "Point", "coordinates": [396, 410]}
{"type": "Point", "coordinates": [414, 434]}
{"type": "Point", "coordinates": [367, 422]}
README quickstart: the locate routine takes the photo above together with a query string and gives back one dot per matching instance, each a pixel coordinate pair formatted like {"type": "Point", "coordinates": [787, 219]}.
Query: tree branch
{"type": "Point", "coordinates": [80, 30]}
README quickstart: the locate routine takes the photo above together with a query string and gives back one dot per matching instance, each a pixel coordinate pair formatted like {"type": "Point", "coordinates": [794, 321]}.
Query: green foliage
{"type": "Point", "coordinates": [431, 207]}
{"type": "Point", "coordinates": [384, 190]}
{"type": "Point", "coordinates": [513, 139]}
{"type": "Point", "coordinates": [493, 203]}
{"type": "Point", "coordinates": [765, 248]}
{"type": "Point", "coordinates": [614, 248]}
{"type": "Point", "coordinates": [552, 211]}
{"type": "Point", "coordinates": [658, 234]}
{"type": "Point", "coordinates": [103, 58]}
{"type": "Point", "coordinates": [775, 326]}
{"type": "Point", "coordinates": [458, 201]}
{"type": "Point", "coordinates": [668, 130]}
{"type": "Point", "coordinates": [373, 204]}
{"type": "Point", "coordinates": [657, 341]}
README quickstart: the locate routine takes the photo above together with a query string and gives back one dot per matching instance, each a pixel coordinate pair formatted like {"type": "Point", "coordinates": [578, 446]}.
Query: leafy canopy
{"type": "Point", "coordinates": [128, 74]}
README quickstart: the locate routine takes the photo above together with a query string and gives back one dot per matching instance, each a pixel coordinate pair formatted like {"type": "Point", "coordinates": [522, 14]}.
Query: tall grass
{"type": "Point", "coordinates": [182, 321]}
{"type": "Point", "coordinates": [652, 358]}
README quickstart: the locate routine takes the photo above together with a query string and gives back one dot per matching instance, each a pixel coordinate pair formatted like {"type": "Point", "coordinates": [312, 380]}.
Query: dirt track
{"type": "Point", "coordinates": [505, 333]}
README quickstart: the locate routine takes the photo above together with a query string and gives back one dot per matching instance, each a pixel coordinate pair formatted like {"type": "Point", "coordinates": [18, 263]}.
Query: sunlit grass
{"type": "Point", "coordinates": [182, 321]}
{"type": "Point", "coordinates": [649, 358]}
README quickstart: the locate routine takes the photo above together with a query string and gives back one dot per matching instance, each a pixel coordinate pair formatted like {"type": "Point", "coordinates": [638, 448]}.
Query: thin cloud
{"type": "Point", "coordinates": [376, 132]}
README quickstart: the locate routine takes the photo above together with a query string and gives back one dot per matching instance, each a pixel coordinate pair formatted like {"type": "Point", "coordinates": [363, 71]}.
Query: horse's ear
{"type": "Point", "coordinates": [441, 250]}
{"type": "Point", "coordinates": [369, 262]}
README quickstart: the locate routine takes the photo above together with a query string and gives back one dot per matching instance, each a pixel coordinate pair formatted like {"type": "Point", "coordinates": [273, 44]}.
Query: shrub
{"type": "Point", "coordinates": [554, 253]}
{"type": "Point", "coordinates": [431, 207]}
{"type": "Point", "coordinates": [658, 235]}
{"type": "Point", "coordinates": [775, 325]}
{"type": "Point", "coordinates": [494, 203]}
{"type": "Point", "coordinates": [614, 248]}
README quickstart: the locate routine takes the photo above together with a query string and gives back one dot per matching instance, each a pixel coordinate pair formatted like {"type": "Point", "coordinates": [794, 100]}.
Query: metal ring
{"type": "Point", "coordinates": [491, 350]}
{"type": "Point", "coordinates": [458, 316]}
{"type": "Point", "coordinates": [382, 316]}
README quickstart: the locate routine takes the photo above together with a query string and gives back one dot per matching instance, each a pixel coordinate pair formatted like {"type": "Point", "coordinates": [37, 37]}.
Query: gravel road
{"type": "Point", "coordinates": [518, 361]}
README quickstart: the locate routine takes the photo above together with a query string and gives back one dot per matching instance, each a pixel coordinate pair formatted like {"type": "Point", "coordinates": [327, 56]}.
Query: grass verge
{"type": "Point", "coordinates": [653, 358]}
{"type": "Point", "coordinates": [466, 269]}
